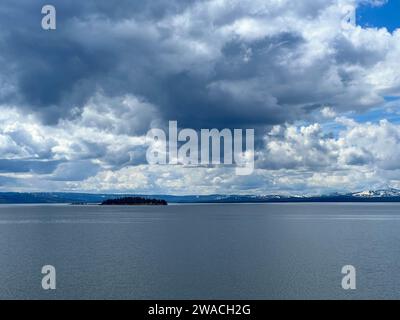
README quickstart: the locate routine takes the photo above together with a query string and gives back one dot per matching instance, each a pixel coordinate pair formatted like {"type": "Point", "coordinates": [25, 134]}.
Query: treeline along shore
{"type": "Point", "coordinates": [134, 201]}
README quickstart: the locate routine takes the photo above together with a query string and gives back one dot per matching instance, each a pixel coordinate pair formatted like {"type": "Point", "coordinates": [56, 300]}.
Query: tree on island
{"type": "Point", "coordinates": [134, 201]}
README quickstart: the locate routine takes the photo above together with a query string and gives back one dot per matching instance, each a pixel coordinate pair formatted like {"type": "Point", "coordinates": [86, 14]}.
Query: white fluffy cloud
{"type": "Point", "coordinates": [357, 145]}
{"type": "Point", "coordinates": [293, 159]}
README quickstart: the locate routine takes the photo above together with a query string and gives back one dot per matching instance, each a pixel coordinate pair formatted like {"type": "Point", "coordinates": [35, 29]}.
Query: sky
{"type": "Point", "coordinates": [321, 93]}
{"type": "Point", "coordinates": [380, 16]}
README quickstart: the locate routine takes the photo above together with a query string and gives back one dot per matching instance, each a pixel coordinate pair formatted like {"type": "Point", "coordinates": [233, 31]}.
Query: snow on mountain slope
{"type": "Point", "coordinates": [377, 193]}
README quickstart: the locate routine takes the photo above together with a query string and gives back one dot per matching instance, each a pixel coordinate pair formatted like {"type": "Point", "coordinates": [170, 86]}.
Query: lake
{"type": "Point", "coordinates": [246, 251]}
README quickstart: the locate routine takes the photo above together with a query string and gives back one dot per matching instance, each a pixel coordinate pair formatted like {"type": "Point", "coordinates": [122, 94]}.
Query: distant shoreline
{"type": "Point", "coordinates": [389, 196]}
{"type": "Point", "coordinates": [206, 203]}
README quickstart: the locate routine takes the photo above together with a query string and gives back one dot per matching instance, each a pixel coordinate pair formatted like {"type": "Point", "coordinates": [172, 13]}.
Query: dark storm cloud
{"type": "Point", "coordinates": [28, 166]}
{"type": "Point", "coordinates": [348, 53]}
{"type": "Point", "coordinates": [132, 48]}
{"type": "Point", "coordinates": [52, 71]}
{"type": "Point", "coordinates": [237, 93]}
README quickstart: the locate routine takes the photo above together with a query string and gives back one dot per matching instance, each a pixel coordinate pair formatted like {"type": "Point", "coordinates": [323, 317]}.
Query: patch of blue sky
{"type": "Point", "coordinates": [380, 16]}
{"type": "Point", "coordinates": [390, 112]}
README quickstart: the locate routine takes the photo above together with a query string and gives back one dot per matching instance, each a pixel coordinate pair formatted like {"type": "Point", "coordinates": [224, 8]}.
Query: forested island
{"type": "Point", "coordinates": [134, 201]}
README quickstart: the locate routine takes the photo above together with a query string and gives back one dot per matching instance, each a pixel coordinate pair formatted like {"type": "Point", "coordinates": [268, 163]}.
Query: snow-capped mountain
{"type": "Point", "coordinates": [385, 193]}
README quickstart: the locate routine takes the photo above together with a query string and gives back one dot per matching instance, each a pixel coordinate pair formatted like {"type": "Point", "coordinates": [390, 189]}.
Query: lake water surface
{"type": "Point", "coordinates": [260, 251]}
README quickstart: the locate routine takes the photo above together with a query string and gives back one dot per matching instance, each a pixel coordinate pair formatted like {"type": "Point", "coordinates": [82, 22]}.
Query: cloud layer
{"type": "Point", "coordinates": [76, 103]}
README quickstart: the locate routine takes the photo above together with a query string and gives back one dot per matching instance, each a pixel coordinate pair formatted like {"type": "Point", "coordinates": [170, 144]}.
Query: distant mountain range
{"type": "Point", "coordinates": [386, 195]}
